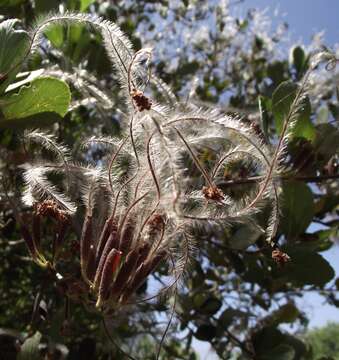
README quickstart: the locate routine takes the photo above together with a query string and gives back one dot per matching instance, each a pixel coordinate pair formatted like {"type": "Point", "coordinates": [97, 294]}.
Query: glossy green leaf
{"type": "Point", "coordinates": [282, 101]}
{"type": "Point", "coordinates": [307, 268]}
{"type": "Point", "coordinates": [42, 95]}
{"type": "Point", "coordinates": [14, 48]}
{"type": "Point", "coordinates": [297, 208]}
{"type": "Point", "coordinates": [30, 348]}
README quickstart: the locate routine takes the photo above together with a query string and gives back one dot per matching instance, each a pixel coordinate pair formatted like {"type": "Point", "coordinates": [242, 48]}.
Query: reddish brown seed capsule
{"type": "Point", "coordinates": [110, 267]}
{"type": "Point", "coordinates": [129, 266]}
{"type": "Point", "coordinates": [126, 238]}
{"type": "Point", "coordinates": [143, 253]}
{"type": "Point", "coordinates": [105, 233]}
{"type": "Point", "coordinates": [213, 193]}
{"type": "Point", "coordinates": [51, 208]}
{"type": "Point", "coordinates": [112, 242]}
{"type": "Point", "coordinates": [85, 244]}
{"type": "Point", "coordinates": [155, 223]}
{"type": "Point", "coordinates": [91, 265]}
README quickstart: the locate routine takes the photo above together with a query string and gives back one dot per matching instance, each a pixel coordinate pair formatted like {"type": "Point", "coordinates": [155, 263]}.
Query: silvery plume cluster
{"type": "Point", "coordinates": [142, 203]}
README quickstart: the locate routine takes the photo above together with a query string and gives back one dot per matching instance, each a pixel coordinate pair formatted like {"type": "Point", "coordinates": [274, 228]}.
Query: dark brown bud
{"type": "Point", "coordinates": [156, 223]}
{"type": "Point", "coordinates": [50, 208]}
{"type": "Point", "coordinates": [213, 193]}
{"type": "Point", "coordinates": [85, 244]}
{"type": "Point", "coordinates": [280, 257]}
{"type": "Point", "coordinates": [141, 101]}
{"type": "Point", "coordinates": [112, 243]}
{"type": "Point", "coordinates": [109, 270]}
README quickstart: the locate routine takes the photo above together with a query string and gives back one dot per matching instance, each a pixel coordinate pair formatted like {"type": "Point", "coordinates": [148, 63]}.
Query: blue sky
{"type": "Point", "coordinates": [305, 17]}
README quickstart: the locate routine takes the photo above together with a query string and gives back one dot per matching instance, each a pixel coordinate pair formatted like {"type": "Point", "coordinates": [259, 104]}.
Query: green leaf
{"type": "Point", "coordinates": [307, 267]}
{"type": "Point", "coordinates": [297, 207]}
{"type": "Point", "coordinates": [276, 71]}
{"type": "Point", "coordinates": [43, 6]}
{"type": "Point", "coordinates": [281, 352]}
{"type": "Point", "coordinates": [9, 3]}
{"type": "Point", "coordinates": [287, 313]}
{"type": "Point", "coordinates": [210, 306]}
{"type": "Point", "coordinates": [206, 332]}
{"type": "Point", "coordinates": [41, 120]}
{"type": "Point", "coordinates": [331, 145]}
{"type": "Point", "coordinates": [264, 104]}
{"type": "Point", "coordinates": [55, 34]}
{"type": "Point", "coordinates": [298, 59]}
{"type": "Point", "coordinates": [282, 100]}
{"type": "Point", "coordinates": [14, 48]}
{"type": "Point", "coordinates": [244, 236]}
{"type": "Point", "coordinates": [30, 348]}
{"type": "Point", "coordinates": [229, 315]}
{"type": "Point", "coordinates": [84, 4]}
{"type": "Point", "coordinates": [43, 95]}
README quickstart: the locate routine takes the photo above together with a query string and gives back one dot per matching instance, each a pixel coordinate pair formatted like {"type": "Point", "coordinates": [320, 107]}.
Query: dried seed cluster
{"type": "Point", "coordinates": [213, 193]}
{"type": "Point", "coordinates": [51, 209]}
{"type": "Point", "coordinates": [280, 257]}
{"type": "Point", "coordinates": [141, 101]}
{"type": "Point", "coordinates": [121, 266]}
